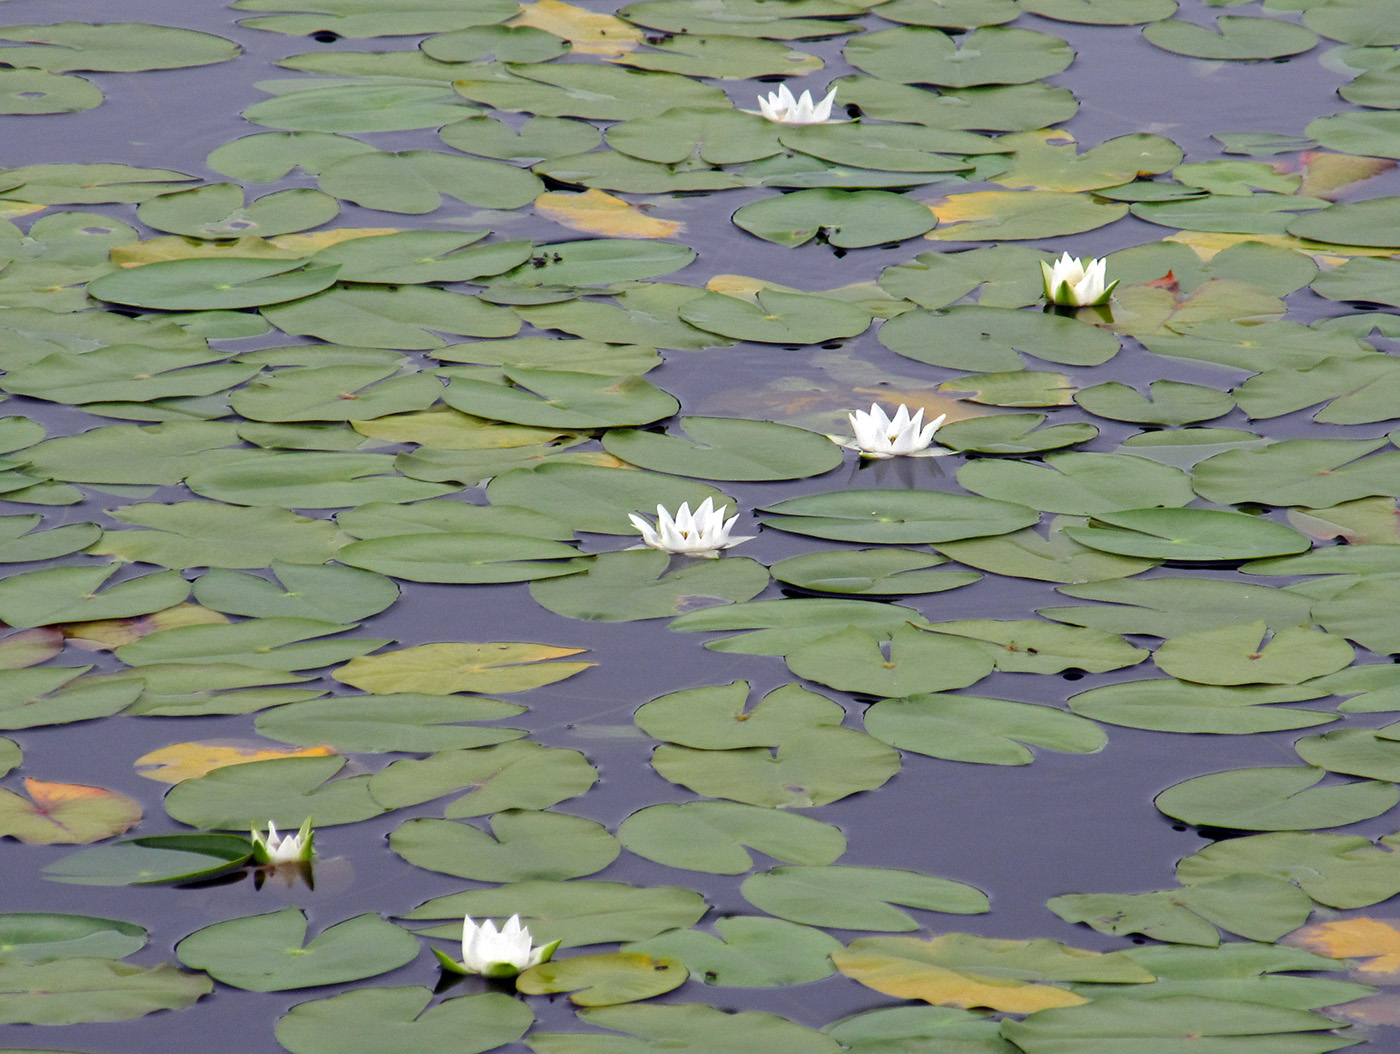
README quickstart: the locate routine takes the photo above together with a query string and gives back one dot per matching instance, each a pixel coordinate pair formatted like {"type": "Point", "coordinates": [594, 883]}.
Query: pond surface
{"type": "Point", "coordinates": [325, 414]}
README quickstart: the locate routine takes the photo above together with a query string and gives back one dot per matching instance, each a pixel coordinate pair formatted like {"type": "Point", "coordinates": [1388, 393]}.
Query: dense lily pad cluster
{"type": "Point", "coordinates": [443, 334]}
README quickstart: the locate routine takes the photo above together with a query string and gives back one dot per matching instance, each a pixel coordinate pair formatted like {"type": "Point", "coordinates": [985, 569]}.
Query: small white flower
{"type": "Point", "coordinates": [493, 953]}
{"type": "Point", "coordinates": [781, 107]}
{"type": "Point", "coordinates": [272, 849]}
{"type": "Point", "coordinates": [1070, 282]}
{"type": "Point", "coordinates": [703, 533]}
{"type": "Point", "coordinates": [877, 435]}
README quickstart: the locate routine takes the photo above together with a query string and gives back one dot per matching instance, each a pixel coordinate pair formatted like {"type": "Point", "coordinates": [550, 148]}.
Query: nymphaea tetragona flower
{"type": "Point", "coordinates": [877, 435]}
{"type": "Point", "coordinates": [272, 849]}
{"type": "Point", "coordinates": [496, 953]}
{"type": "Point", "coordinates": [701, 533]}
{"type": "Point", "coordinates": [783, 108]}
{"type": "Point", "coordinates": [1070, 282]}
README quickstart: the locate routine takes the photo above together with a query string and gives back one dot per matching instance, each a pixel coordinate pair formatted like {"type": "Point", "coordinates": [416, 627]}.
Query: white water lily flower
{"type": "Point", "coordinates": [1073, 283]}
{"type": "Point", "coordinates": [877, 435]}
{"type": "Point", "coordinates": [493, 953]}
{"type": "Point", "coordinates": [272, 849]}
{"type": "Point", "coordinates": [703, 533]}
{"type": "Point", "coordinates": [780, 106]}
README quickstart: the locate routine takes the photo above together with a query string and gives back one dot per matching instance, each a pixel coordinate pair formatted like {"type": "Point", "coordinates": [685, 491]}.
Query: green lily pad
{"type": "Point", "coordinates": [561, 399]}
{"type": "Point", "coordinates": [857, 898]}
{"type": "Point", "coordinates": [919, 55]}
{"type": "Point", "coordinates": [1171, 606]}
{"type": "Point", "coordinates": [402, 317]}
{"type": "Point", "coordinates": [465, 557]}
{"type": "Point", "coordinates": [626, 586]}
{"type": "Point", "coordinates": [748, 952]}
{"type": "Point", "coordinates": [716, 836]}
{"type": "Point", "coordinates": [305, 480]}
{"type": "Point", "coordinates": [1012, 434]}
{"type": "Point", "coordinates": [416, 181]}
{"type": "Point", "coordinates": [870, 572]}
{"type": "Point", "coordinates": [853, 661]}
{"type": "Point", "coordinates": [30, 92]}
{"type": "Point", "coordinates": [1233, 655]}
{"type": "Point", "coordinates": [722, 448]}
{"type": "Point", "coordinates": [217, 211]}
{"type": "Point", "coordinates": [574, 912]}
{"type": "Point", "coordinates": [1353, 222]}
{"type": "Point", "coordinates": [285, 791]}
{"type": "Point", "coordinates": [1353, 752]}
{"type": "Point", "coordinates": [34, 936]}
{"type": "Point", "coordinates": [689, 1027]}
{"type": "Point", "coordinates": [396, 723]}
{"type": "Point", "coordinates": [1102, 12]}
{"type": "Point", "coordinates": [777, 317]}
{"type": "Point", "coordinates": [1081, 484]}
{"type": "Point", "coordinates": [359, 108]}
{"type": "Point", "coordinates": [234, 282]}
{"type": "Point", "coordinates": [516, 775]}
{"type": "Point", "coordinates": [779, 626]}
{"type": "Point", "coordinates": [1274, 799]}
{"type": "Point", "coordinates": [980, 730]}
{"type": "Point", "coordinates": [1167, 403]}
{"type": "Point", "coordinates": [72, 991]}
{"type": "Point", "coordinates": [265, 953]}
{"type": "Point", "coordinates": [522, 845]}
{"type": "Point", "coordinates": [900, 517]}
{"type": "Point", "coordinates": [210, 534]}
{"type": "Point", "coordinates": [1234, 37]}
{"type": "Point", "coordinates": [70, 594]}
{"type": "Point", "coordinates": [805, 771]}
{"type": "Point", "coordinates": [604, 980]}
{"type": "Point", "coordinates": [1171, 705]}
{"type": "Point", "coordinates": [372, 1020]}
{"type": "Point", "coordinates": [844, 218]}
{"type": "Point", "coordinates": [597, 499]}
{"type": "Point", "coordinates": [1189, 535]}
{"type": "Point", "coordinates": [990, 338]}
{"type": "Point", "coordinates": [118, 47]}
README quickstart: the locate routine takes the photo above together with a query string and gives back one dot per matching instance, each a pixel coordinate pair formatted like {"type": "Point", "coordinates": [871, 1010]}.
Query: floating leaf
{"type": "Point", "coordinates": [561, 399]}
{"type": "Point", "coordinates": [901, 517]}
{"type": "Point", "coordinates": [1188, 535]}
{"type": "Point", "coordinates": [1006, 215]}
{"type": "Point", "coordinates": [979, 730]}
{"type": "Point", "coordinates": [748, 952]}
{"type": "Point", "coordinates": [853, 661]}
{"type": "Point", "coordinates": [576, 912]}
{"type": "Point", "coordinates": [463, 557]}
{"type": "Point", "coordinates": [723, 448]}
{"type": "Point", "coordinates": [158, 858]}
{"type": "Point", "coordinates": [72, 991]}
{"type": "Point", "coordinates": [396, 723]}
{"type": "Point", "coordinates": [415, 181]}
{"type": "Point", "coordinates": [690, 1027]}
{"type": "Point", "coordinates": [1170, 705]}
{"type": "Point", "coordinates": [777, 318]}
{"type": "Point", "coordinates": [34, 936]}
{"type": "Point", "coordinates": [1167, 403]}
{"type": "Point", "coordinates": [958, 969]}
{"type": "Point", "coordinates": [991, 338]}
{"type": "Point", "coordinates": [860, 898]}
{"type": "Point", "coordinates": [622, 587]}
{"type": "Point", "coordinates": [1274, 799]}
{"type": "Point", "coordinates": [596, 212]}
{"type": "Point", "coordinates": [265, 953]}
{"type": "Point", "coordinates": [847, 219]}
{"type": "Point", "coordinates": [65, 813]}
{"type": "Point", "coordinates": [1081, 484]}
{"type": "Point", "coordinates": [285, 790]}
{"type": "Point", "coordinates": [869, 572]}
{"type": "Point", "coordinates": [781, 625]}
{"type": "Point", "coordinates": [1234, 37]}
{"type": "Point", "coordinates": [442, 669]}
{"type": "Point", "coordinates": [1174, 1022]}
{"type": "Point", "coordinates": [372, 1020]}
{"type": "Point", "coordinates": [604, 980]}
{"type": "Point", "coordinates": [1233, 655]}
{"type": "Point", "coordinates": [31, 92]}
{"type": "Point", "coordinates": [910, 55]}
{"type": "Point", "coordinates": [521, 845]}
{"type": "Point", "coordinates": [712, 836]}
{"type": "Point", "coordinates": [210, 534]}
{"type": "Point", "coordinates": [233, 282]}
{"type": "Point", "coordinates": [518, 775]}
